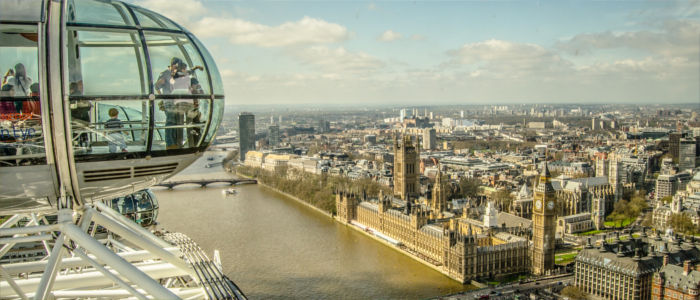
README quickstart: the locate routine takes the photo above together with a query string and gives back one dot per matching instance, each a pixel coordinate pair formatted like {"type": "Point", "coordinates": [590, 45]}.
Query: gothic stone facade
{"type": "Point", "coordinates": [463, 256]}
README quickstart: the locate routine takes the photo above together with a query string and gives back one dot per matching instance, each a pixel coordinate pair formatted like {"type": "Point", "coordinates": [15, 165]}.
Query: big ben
{"type": "Point", "coordinates": [543, 224]}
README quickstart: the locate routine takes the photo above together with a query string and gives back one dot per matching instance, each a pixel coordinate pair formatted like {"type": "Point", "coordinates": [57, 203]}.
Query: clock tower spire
{"type": "Point", "coordinates": [543, 224]}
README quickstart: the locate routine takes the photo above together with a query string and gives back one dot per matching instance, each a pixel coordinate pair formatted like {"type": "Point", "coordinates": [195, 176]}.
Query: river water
{"type": "Point", "coordinates": [275, 248]}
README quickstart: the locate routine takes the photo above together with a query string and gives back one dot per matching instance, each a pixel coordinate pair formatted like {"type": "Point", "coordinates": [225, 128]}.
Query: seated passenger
{"type": "Point", "coordinates": [115, 138]}
{"type": "Point", "coordinates": [32, 107]}
{"type": "Point", "coordinates": [7, 105]}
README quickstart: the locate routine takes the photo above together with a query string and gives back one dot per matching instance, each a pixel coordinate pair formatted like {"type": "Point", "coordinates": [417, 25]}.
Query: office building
{"type": "Point", "coordinates": [429, 139]}
{"type": "Point", "coordinates": [686, 154]}
{"type": "Point", "coordinates": [246, 133]}
{"type": "Point", "coordinates": [674, 144]}
{"type": "Point", "coordinates": [273, 135]}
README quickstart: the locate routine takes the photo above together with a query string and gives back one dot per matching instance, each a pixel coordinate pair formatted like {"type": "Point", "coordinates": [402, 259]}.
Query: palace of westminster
{"type": "Point", "coordinates": [461, 247]}
{"type": "Point", "coordinates": [473, 243]}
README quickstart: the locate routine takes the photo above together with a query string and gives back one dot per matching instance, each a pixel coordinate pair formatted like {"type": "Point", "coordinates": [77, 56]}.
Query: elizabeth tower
{"type": "Point", "coordinates": [543, 224]}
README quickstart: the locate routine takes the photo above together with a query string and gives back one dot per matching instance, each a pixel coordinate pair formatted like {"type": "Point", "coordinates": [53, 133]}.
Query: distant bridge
{"type": "Point", "coordinates": [205, 182]}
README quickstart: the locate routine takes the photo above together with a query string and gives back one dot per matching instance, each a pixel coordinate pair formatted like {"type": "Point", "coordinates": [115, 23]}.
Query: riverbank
{"type": "Point", "coordinates": [297, 200]}
{"type": "Point", "coordinates": [327, 214]}
{"type": "Point", "coordinates": [402, 251]}
{"type": "Point", "coordinates": [356, 228]}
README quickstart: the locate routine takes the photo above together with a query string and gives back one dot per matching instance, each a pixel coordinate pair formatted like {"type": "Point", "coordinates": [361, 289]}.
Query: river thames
{"type": "Point", "coordinates": [274, 247]}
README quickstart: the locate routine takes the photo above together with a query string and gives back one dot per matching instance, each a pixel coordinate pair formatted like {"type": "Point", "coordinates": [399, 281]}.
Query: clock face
{"type": "Point", "coordinates": [538, 204]}
{"type": "Point", "coordinates": [550, 205]}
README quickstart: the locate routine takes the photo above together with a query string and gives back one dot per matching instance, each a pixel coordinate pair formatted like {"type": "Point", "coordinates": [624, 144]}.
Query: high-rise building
{"type": "Point", "coordinates": [595, 123]}
{"type": "Point", "coordinates": [686, 154]}
{"type": "Point", "coordinates": [666, 185]}
{"type": "Point", "coordinates": [402, 114]}
{"type": "Point", "coordinates": [674, 144]}
{"type": "Point", "coordinates": [405, 168]}
{"type": "Point", "coordinates": [543, 224]}
{"type": "Point", "coordinates": [246, 133]}
{"type": "Point", "coordinates": [323, 126]}
{"type": "Point", "coordinates": [273, 135]}
{"type": "Point", "coordinates": [371, 139]}
{"type": "Point", "coordinates": [429, 139]}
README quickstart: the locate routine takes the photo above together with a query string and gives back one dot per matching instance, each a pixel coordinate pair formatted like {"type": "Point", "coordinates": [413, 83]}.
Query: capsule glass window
{"type": "Point", "coordinates": [21, 133]}
{"type": "Point", "coordinates": [181, 86]}
{"type": "Point", "coordinates": [107, 88]}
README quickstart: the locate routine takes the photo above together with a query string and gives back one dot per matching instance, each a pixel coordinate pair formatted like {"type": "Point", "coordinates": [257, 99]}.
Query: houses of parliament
{"type": "Point", "coordinates": [462, 248]}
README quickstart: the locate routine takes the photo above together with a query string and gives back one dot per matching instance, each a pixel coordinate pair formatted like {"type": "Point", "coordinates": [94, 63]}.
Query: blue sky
{"type": "Point", "coordinates": [448, 52]}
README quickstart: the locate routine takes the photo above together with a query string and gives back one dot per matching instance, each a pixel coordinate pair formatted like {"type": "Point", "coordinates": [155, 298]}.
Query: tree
{"type": "Point", "coordinates": [574, 293]}
{"type": "Point", "coordinates": [620, 212]}
{"type": "Point", "coordinates": [469, 187]}
{"type": "Point", "coordinates": [503, 199]}
{"type": "Point", "coordinates": [667, 199]}
{"type": "Point", "coordinates": [681, 223]}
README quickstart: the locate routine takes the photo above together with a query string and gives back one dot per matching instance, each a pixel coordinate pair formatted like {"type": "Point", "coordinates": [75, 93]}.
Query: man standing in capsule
{"type": "Point", "coordinates": [176, 79]}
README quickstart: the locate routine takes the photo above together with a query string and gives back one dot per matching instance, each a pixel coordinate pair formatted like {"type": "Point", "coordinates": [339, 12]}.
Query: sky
{"type": "Point", "coordinates": [448, 52]}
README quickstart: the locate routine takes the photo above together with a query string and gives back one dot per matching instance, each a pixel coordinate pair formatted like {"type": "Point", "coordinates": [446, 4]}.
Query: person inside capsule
{"type": "Point", "coordinates": [177, 79]}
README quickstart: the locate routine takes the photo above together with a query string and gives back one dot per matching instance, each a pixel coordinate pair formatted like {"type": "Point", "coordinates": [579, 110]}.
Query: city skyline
{"type": "Point", "coordinates": [449, 52]}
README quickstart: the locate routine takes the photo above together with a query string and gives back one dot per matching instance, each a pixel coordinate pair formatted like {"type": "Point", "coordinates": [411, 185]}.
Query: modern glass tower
{"type": "Point", "coordinates": [246, 133]}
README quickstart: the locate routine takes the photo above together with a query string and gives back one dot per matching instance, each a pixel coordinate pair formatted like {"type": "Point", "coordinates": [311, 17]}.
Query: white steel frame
{"type": "Point", "coordinates": [78, 265]}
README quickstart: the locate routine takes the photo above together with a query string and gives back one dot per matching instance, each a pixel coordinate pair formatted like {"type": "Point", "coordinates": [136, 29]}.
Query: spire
{"type": "Point", "coordinates": [546, 170]}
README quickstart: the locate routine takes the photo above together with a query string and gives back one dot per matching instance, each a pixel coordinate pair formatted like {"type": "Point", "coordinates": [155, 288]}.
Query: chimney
{"type": "Point", "coordinates": [620, 253]}
{"type": "Point", "coordinates": [665, 259]}
{"type": "Point", "coordinates": [687, 267]}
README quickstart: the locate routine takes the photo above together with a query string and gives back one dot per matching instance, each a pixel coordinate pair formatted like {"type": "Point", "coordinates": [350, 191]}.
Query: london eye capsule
{"type": "Point", "coordinates": [99, 99]}
{"type": "Point", "coordinates": [141, 207]}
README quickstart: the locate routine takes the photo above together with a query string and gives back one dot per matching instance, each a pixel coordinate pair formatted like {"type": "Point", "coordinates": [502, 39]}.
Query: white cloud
{"type": "Point", "coordinates": [183, 12]}
{"type": "Point", "coordinates": [389, 36]}
{"type": "Point", "coordinates": [501, 59]}
{"type": "Point", "coordinates": [418, 37]}
{"type": "Point", "coordinates": [305, 31]}
{"type": "Point", "coordinates": [674, 38]}
{"type": "Point", "coordinates": [371, 6]}
{"type": "Point", "coordinates": [338, 60]}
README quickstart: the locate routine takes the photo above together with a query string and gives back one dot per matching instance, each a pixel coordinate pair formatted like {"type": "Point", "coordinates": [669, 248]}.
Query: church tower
{"type": "Point", "coordinates": [614, 177]}
{"type": "Point", "coordinates": [543, 224]}
{"type": "Point", "coordinates": [405, 169]}
{"type": "Point", "coordinates": [439, 203]}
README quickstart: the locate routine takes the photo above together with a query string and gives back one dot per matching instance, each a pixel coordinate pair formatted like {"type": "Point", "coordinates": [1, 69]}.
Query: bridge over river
{"type": "Point", "coordinates": [205, 182]}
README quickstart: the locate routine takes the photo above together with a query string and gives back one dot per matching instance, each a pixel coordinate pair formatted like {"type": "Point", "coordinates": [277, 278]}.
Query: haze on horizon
{"type": "Point", "coordinates": [448, 52]}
